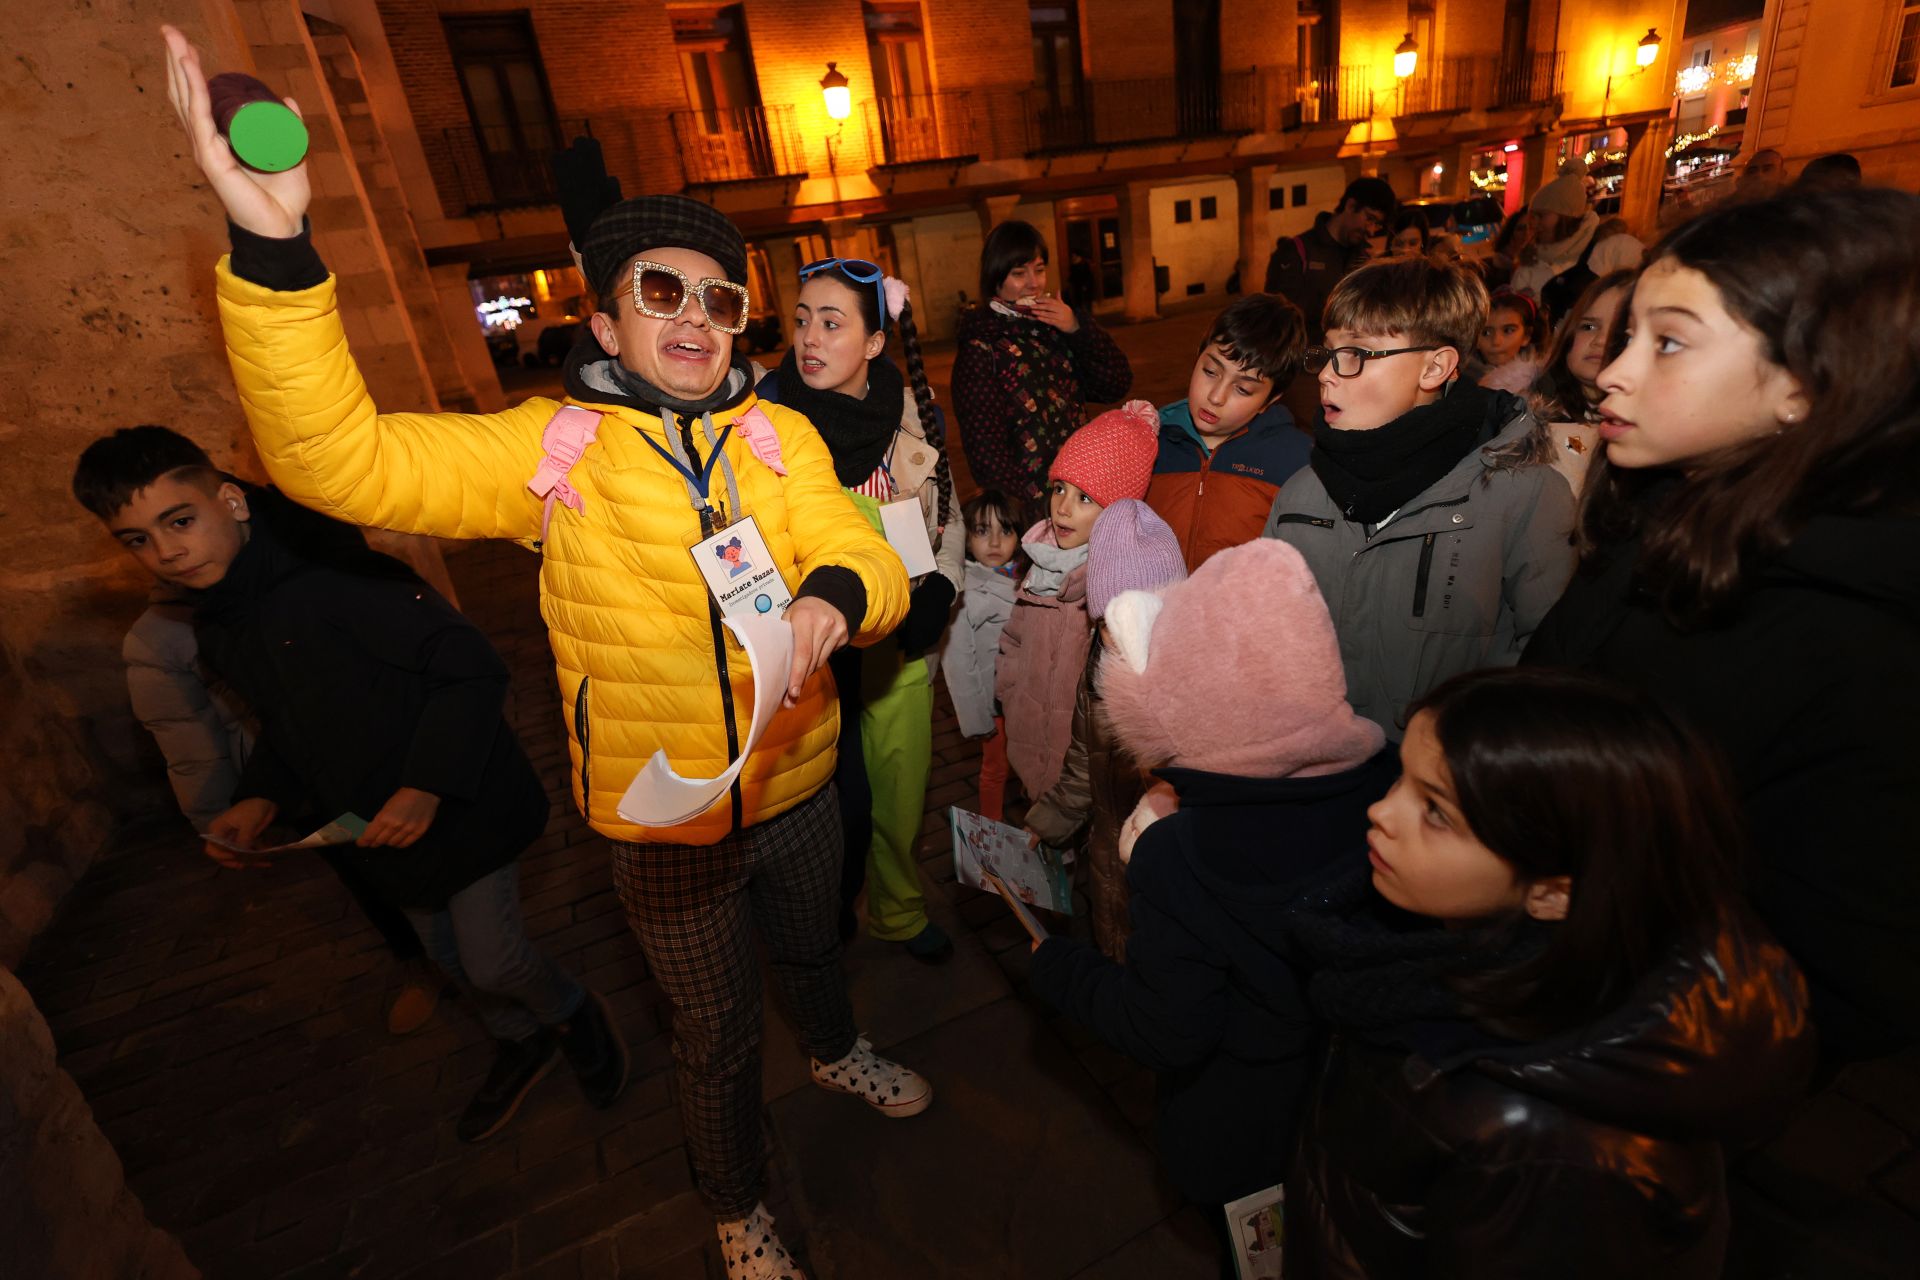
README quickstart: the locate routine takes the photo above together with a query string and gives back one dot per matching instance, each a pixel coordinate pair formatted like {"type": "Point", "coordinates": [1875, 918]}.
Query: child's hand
{"type": "Point", "coordinates": [267, 204]}
{"type": "Point", "coordinates": [402, 820]}
{"type": "Point", "coordinates": [241, 825]}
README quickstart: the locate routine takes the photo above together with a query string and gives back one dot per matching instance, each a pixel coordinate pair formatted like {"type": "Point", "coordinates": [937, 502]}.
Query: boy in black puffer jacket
{"type": "Point", "coordinates": [375, 697]}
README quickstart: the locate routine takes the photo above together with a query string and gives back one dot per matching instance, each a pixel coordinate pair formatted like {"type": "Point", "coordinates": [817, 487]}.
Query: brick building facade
{"type": "Point", "coordinates": [1169, 144]}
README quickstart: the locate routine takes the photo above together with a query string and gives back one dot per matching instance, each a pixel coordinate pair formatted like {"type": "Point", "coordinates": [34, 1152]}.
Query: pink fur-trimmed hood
{"type": "Point", "coordinates": [1236, 671]}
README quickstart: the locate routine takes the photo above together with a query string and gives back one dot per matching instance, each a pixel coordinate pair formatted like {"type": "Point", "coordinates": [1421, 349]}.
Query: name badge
{"type": "Point", "coordinates": [740, 572]}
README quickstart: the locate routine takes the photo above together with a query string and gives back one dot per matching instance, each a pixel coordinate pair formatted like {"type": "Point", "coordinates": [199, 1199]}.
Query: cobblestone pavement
{"type": "Point", "coordinates": [228, 1029]}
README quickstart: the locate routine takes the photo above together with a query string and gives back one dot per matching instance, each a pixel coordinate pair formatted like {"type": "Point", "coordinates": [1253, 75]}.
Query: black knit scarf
{"type": "Point", "coordinates": [1383, 974]}
{"type": "Point", "coordinates": [857, 431]}
{"type": "Point", "coordinates": [1372, 474]}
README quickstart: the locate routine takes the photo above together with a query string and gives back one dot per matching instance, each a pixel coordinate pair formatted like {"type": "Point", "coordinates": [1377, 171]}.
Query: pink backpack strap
{"type": "Point", "coordinates": [566, 437]}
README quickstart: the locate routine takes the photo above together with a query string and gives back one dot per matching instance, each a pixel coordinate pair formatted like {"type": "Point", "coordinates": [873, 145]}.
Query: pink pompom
{"type": "Point", "coordinates": [896, 291]}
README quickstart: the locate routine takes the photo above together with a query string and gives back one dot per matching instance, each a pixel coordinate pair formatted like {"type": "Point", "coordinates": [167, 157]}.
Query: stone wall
{"type": "Point", "coordinates": [65, 1211]}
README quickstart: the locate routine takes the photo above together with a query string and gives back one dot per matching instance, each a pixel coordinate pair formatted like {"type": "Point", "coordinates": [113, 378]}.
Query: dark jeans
{"type": "Point", "coordinates": [480, 941]}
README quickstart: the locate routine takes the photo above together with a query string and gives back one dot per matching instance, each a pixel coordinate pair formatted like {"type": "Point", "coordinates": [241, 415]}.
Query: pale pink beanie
{"type": "Point", "coordinates": [1236, 670]}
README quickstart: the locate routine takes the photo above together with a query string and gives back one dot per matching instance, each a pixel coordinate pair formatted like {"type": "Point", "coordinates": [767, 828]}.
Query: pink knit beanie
{"type": "Point", "coordinates": [1111, 457]}
{"type": "Point", "coordinates": [1236, 670]}
{"type": "Point", "coordinates": [1131, 549]}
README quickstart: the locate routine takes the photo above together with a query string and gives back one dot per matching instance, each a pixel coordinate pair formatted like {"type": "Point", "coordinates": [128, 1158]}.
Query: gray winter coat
{"type": "Point", "coordinates": [1457, 580]}
{"type": "Point", "coordinates": [970, 651]}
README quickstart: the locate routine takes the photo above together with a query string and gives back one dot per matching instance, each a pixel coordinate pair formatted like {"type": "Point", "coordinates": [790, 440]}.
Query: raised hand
{"type": "Point", "coordinates": [1050, 309]}
{"type": "Point", "coordinates": [267, 204]}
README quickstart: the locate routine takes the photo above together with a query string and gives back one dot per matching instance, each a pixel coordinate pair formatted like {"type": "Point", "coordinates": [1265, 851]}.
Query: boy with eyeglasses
{"type": "Point", "coordinates": [1429, 511]}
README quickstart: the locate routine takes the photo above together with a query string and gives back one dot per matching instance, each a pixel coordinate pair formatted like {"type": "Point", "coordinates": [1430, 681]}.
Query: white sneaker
{"type": "Point", "coordinates": [887, 1087]}
{"type": "Point", "coordinates": [753, 1250]}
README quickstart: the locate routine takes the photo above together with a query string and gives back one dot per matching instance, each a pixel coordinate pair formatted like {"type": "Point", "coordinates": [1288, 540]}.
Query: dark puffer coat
{"type": "Point", "coordinates": [1596, 1154]}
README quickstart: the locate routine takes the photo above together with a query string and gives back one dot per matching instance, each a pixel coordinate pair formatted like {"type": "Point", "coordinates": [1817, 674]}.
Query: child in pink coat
{"type": "Point", "coordinates": [1044, 647]}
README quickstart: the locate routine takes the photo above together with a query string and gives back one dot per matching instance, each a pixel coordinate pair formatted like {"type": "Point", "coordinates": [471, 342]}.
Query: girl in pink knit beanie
{"type": "Point", "coordinates": [1229, 685]}
{"type": "Point", "coordinates": [1044, 646]}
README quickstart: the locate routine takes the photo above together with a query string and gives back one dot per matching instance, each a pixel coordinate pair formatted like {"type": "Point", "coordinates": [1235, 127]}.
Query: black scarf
{"type": "Point", "coordinates": [1372, 474]}
{"type": "Point", "coordinates": [1381, 974]}
{"type": "Point", "coordinates": [857, 431]}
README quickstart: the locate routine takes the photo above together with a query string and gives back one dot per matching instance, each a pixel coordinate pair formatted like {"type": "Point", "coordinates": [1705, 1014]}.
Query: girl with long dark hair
{"type": "Point", "coordinates": [1567, 395]}
{"type": "Point", "coordinates": [887, 446]}
{"type": "Point", "coordinates": [1750, 555]}
{"type": "Point", "coordinates": [1027, 367]}
{"type": "Point", "coordinates": [1548, 1008]}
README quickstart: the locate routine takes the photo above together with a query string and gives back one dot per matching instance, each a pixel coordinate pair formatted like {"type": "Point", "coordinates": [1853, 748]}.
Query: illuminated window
{"type": "Point", "coordinates": [1906, 47]}
{"type": "Point", "coordinates": [897, 46]}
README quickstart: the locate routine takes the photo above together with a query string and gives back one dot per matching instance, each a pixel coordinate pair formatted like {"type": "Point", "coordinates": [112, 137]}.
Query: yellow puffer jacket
{"type": "Point", "coordinates": [637, 648]}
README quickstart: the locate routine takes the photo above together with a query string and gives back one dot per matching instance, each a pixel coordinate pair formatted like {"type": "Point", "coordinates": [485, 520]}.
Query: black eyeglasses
{"type": "Point", "coordinates": [1349, 361]}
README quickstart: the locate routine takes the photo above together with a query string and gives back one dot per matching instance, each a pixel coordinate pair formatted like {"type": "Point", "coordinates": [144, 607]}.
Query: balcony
{"type": "Point", "coordinates": [1529, 79]}
{"type": "Point", "coordinates": [738, 144]}
{"type": "Point", "coordinates": [1446, 85]}
{"type": "Point", "coordinates": [1119, 112]}
{"type": "Point", "coordinates": [1335, 95]}
{"type": "Point", "coordinates": [920, 128]}
{"type": "Point", "coordinates": [480, 170]}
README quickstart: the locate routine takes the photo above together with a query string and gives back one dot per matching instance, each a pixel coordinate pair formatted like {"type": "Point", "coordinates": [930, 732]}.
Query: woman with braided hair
{"type": "Point", "coordinates": [887, 446]}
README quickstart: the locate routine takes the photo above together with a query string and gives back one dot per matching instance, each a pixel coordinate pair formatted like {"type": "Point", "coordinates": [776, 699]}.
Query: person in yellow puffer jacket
{"type": "Point", "coordinates": [642, 658]}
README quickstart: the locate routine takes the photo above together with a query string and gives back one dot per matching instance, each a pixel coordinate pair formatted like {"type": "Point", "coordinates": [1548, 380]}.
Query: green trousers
{"type": "Point", "coordinates": [896, 734]}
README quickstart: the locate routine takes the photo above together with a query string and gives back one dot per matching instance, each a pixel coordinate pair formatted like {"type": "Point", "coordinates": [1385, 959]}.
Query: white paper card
{"type": "Point", "coordinates": [905, 525]}
{"type": "Point", "coordinates": [740, 572]}
{"type": "Point", "coordinates": [984, 849]}
{"type": "Point", "coordinates": [659, 797]}
{"type": "Point", "coordinates": [1256, 1223]}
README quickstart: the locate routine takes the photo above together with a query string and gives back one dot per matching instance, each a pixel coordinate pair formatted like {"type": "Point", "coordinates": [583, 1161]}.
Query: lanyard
{"type": "Point", "coordinates": [698, 482]}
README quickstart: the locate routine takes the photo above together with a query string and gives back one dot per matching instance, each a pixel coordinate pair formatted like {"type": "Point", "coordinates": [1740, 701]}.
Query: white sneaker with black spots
{"type": "Point", "coordinates": [887, 1087]}
{"type": "Point", "coordinates": [753, 1250]}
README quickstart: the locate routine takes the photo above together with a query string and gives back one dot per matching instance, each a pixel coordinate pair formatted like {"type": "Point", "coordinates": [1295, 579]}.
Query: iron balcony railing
{"type": "Point", "coordinates": [1114, 112]}
{"type": "Point", "coordinates": [920, 127]}
{"type": "Point", "coordinates": [500, 167]}
{"type": "Point", "coordinates": [1530, 78]}
{"type": "Point", "coordinates": [1446, 84]}
{"type": "Point", "coordinates": [735, 144]}
{"type": "Point", "coordinates": [1335, 95]}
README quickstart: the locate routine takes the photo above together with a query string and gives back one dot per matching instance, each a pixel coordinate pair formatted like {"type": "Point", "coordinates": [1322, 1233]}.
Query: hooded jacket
{"type": "Point", "coordinates": [1207, 996]}
{"type": "Point", "coordinates": [970, 650]}
{"type": "Point", "coordinates": [1021, 387]}
{"type": "Point", "coordinates": [1221, 499]}
{"type": "Point", "coordinates": [1597, 1154]}
{"type": "Point", "coordinates": [1811, 689]}
{"type": "Point", "coordinates": [643, 661]}
{"type": "Point", "coordinates": [1457, 580]}
{"type": "Point", "coordinates": [364, 684]}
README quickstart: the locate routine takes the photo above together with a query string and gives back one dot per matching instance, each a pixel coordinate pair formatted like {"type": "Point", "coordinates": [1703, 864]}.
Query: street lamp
{"type": "Point", "coordinates": [1406, 56]}
{"type": "Point", "coordinates": [833, 87]}
{"type": "Point", "coordinates": [1644, 55]}
{"type": "Point", "coordinates": [1648, 49]}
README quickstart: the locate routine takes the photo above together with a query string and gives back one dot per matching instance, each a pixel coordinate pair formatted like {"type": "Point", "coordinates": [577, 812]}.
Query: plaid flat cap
{"type": "Point", "coordinates": [660, 222]}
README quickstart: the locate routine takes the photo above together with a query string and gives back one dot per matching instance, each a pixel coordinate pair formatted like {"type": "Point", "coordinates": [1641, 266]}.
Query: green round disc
{"type": "Point", "coordinates": [268, 137]}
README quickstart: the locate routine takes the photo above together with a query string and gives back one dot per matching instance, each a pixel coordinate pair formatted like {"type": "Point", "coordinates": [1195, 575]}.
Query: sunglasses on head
{"type": "Point", "coordinates": [858, 270]}
{"type": "Point", "coordinates": [661, 292]}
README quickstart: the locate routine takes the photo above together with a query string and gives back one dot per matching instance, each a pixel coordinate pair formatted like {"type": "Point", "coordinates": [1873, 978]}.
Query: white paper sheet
{"type": "Point", "coordinates": [659, 797]}
{"type": "Point", "coordinates": [344, 829]}
{"type": "Point", "coordinates": [905, 525]}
